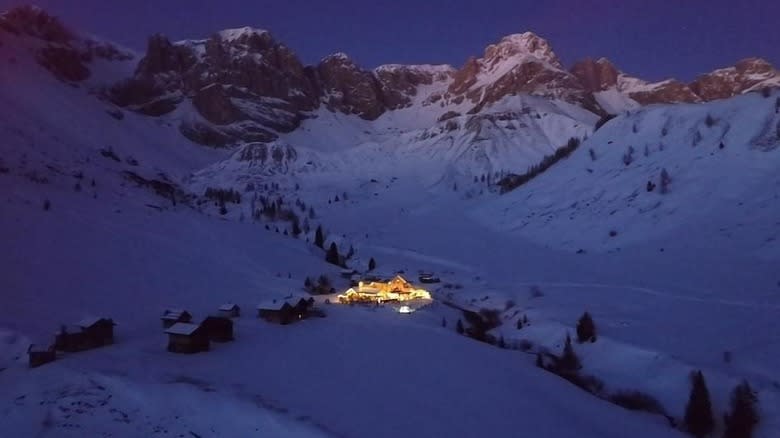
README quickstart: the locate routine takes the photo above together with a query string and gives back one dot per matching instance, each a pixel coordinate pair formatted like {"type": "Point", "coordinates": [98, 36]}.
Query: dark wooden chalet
{"type": "Point", "coordinates": [218, 328]}
{"type": "Point", "coordinates": [87, 334]}
{"type": "Point", "coordinates": [172, 316]}
{"type": "Point", "coordinates": [286, 310]}
{"type": "Point", "coordinates": [40, 355]}
{"type": "Point", "coordinates": [184, 337]}
{"type": "Point", "coordinates": [99, 330]}
{"type": "Point", "coordinates": [230, 310]}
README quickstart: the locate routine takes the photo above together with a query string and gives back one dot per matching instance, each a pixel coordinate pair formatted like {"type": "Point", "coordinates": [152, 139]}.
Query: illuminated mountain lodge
{"type": "Point", "coordinates": [397, 289]}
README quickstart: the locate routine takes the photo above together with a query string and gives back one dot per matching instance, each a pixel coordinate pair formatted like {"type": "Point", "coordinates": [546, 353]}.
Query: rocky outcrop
{"type": "Point", "coordinates": [348, 89]}
{"type": "Point", "coordinates": [399, 84]}
{"type": "Point", "coordinates": [669, 91]}
{"type": "Point", "coordinates": [213, 103]}
{"type": "Point", "coordinates": [596, 75]}
{"type": "Point", "coordinates": [61, 51]}
{"type": "Point", "coordinates": [727, 82]}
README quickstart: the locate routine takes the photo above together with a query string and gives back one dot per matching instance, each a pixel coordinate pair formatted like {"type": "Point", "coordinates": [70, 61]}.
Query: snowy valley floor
{"type": "Point", "coordinates": [361, 372]}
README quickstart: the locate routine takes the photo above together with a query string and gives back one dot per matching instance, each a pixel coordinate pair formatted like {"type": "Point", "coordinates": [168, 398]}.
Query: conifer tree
{"type": "Point", "coordinates": [698, 413]}
{"type": "Point", "coordinates": [744, 415]}
{"type": "Point", "coordinates": [371, 264]}
{"type": "Point", "coordinates": [319, 237]}
{"type": "Point", "coordinates": [569, 360]}
{"type": "Point", "coordinates": [296, 229]}
{"type": "Point", "coordinates": [332, 256]}
{"type": "Point", "coordinates": [586, 329]}
{"type": "Point", "coordinates": [459, 327]}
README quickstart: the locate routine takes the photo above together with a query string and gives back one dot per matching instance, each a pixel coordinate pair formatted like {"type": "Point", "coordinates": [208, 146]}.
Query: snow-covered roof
{"type": "Point", "coordinates": [89, 321]}
{"type": "Point", "coordinates": [182, 328]}
{"type": "Point", "coordinates": [173, 313]}
{"type": "Point", "coordinates": [277, 303]}
{"type": "Point", "coordinates": [228, 306]}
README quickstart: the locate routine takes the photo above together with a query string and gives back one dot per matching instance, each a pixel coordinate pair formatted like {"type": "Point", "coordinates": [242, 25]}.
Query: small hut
{"type": "Point", "coordinates": [277, 311]}
{"type": "Point", "coordinates": [184, 337]}
{"type": "Point", "coordinates": [99, 331]}
{"type": "Point", "coordinates": [230, 310]}
{"type": "Point", "coordinates": [172, 316]}
{"type": "Point", "coordinates": [40, 355]}
{"type": "Point", "coordinates": [71, 338]}
{"type": "Point", "coordinates": [218, 328]}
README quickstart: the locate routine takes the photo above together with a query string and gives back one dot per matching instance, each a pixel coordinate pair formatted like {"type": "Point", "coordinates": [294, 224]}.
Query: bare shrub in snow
{"type": "Point", "coordinates": [46, 205]}
{"type": "Point", "coordinates": [635, 128]}
{"type": "Point", "coordinates": [696, 138]}
{"type": "Point", "coordinates": [664, 181]}
{"type": "Point", "coordinates": [592, 154]}
{"type": "Point", "coordinates": [628, 157]}
{"type": "Point", "coordinates": [709, 121]}
{"type": "Point", "coordinates": [766, 92]}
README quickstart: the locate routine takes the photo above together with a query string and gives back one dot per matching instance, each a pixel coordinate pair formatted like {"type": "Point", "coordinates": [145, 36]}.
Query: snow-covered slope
{"type": "Point", "coordinates": [104, 213]}
{"type": "Point", "coordinates": [721, 157]}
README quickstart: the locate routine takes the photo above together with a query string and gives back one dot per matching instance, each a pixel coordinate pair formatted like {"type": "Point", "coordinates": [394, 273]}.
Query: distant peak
{"type": "Point", "coordinates": [523, 44]}
{"type": "Point", "coordinates": [240, 33]}
{"type": "Point", "coordinates": [337, 57]}
{"type": "Point", "coordinates": [35, 21]}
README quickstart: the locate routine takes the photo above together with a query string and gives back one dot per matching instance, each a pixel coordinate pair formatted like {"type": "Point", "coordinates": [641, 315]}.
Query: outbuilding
{"type": "Point", "coordinates": [40, 355]}
{"type": "Point", "coordinates": [230, 310]}
{"type": "Point", "coordinates": [218, 328]}
{"type": "Point", "coordinates": [172, 316]}
{"type": "Point", "coordinates": [184, 337]}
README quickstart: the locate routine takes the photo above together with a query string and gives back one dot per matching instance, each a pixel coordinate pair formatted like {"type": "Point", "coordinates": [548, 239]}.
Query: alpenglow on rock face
{"type": "Point", "coordinates": [241, 85]}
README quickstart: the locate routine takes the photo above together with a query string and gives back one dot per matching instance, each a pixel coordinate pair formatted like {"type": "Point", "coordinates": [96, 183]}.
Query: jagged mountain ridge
{"type": "Point", "coordinates": [241, 85]}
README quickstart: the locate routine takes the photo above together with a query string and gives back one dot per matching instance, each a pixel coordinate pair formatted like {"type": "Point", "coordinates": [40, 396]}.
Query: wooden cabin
{"type": "Point", "coordinates": [40, 355]}
{"type": "Point", "coordinates": [286, 310]}
{"type": "Point", "coordinates": [188, 338]}
{"type": "Point", "coordinates": [218, 328]}
{"type": "Point", "coordinates": [277, 312]}
{"type": "Point", "coordinates": [89, 333]}
{"type": "Point", "coordinates": [230, 310]}
{"type": "Point", "coordinates": [100, 331]}
{"type": "Point", "coordinates": [172, 316]}
{"type": "Point", "coordinates": [71, 338]}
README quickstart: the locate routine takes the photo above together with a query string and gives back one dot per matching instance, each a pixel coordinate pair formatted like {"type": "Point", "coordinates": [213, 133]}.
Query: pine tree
{"type": "Point", "coordinates": [332, 256]}
{"type": "Point", "coordinates": [319, 237]}
{"type": "Point", "coordinates": [744, 415]}
{"type": "Point", "coordinates": [371, 264]}
{"type": "Point", "coordinates": [698, 412]}
{"type": "Point", "coordinates": [539, 360]}
{"type": "Point", "coordinates": [519, 323]}
{"type": "Point", "coordinates": [525, 319]}
{"type": "Point", "coordinates": [459, 327]}
{"type": "Point", "coordinates": [586, 329]}
{"type": "Point", "coordinates": [444, 322]}
{"type": "Point", "coordinates": [569, 360]}
{"type": "Point", "coordinates": [296, 229]}
{"type": "Point", "coordinates": [501, 342]}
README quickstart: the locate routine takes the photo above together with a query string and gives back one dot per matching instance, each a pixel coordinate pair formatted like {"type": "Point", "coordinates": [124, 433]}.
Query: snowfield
{"type": "Point", "coordinates": [104, 215]}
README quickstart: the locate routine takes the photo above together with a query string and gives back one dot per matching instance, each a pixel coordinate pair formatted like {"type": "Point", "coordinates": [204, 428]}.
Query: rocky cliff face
{"type": "Point", "coordinates": [241, 85]}
{"type": "Point", "coordinates": [518, 64]}
{"type": "Point", "coordinates": [727, 82]}
{"type": "Point", "coordinates": [63, 52]}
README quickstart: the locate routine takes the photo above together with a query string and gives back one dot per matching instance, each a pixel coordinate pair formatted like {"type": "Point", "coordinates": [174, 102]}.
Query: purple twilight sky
{"type": "Point", "coordinates": [653, 39]}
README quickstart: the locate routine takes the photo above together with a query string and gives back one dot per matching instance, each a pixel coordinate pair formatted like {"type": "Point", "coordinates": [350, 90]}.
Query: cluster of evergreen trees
{"type": "Point", "coordinates": [223, 196]}
{"type": "Point", "coordinates": [739, 422]}
{"type": "Point", "coordinates": [511, 182]}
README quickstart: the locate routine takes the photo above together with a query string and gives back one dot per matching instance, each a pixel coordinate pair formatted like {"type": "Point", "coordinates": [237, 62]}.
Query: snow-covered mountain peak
{"type": "Point", "coordinates": [522, 45]}
{"type": "Point", "coordinates": [242, 33]}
